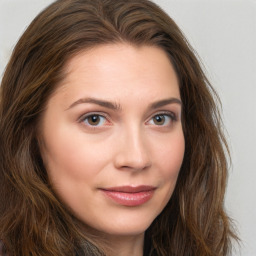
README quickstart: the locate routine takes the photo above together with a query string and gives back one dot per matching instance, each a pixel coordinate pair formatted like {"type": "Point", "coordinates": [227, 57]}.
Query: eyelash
{"type": "Point", "coordinates": [83, 118]}
{"type": "Point", "coordinates": [170, 115]}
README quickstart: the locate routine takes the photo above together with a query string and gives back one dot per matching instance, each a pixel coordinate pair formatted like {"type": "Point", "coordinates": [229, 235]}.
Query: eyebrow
{"type": "Point", "coordinates": [103, 103]}
{"type": "Point", "coordinates": [116, 106]}
{"type": "Point", "coordinates": [164, 102]}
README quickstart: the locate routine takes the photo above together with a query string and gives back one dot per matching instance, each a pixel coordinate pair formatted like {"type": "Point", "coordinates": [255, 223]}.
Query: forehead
{"type": "Point", "coordinates": [120, 70]}
{"type": "Point", "coordinates": [111, 57]}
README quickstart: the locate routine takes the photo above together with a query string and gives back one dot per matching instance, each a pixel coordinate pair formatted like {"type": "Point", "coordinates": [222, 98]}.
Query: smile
{"type": "Point", "coordinates": [130, 196]}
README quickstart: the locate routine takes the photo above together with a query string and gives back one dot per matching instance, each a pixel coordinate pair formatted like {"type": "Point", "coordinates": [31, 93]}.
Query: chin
{"type": "Point", "coordinates": [126, 224]}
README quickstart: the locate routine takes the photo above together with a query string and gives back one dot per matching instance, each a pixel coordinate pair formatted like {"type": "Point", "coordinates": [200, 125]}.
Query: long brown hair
{"type": "Point", "coordinates": [32, 219]}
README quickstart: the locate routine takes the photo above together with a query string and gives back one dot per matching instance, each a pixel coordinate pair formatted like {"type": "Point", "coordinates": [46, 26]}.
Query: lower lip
{"type": "Point", "coordinates": [129, 199]}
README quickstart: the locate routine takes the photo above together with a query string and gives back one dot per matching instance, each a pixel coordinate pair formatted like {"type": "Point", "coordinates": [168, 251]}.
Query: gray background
{"type": "Point", "coordinates": [223, 32]}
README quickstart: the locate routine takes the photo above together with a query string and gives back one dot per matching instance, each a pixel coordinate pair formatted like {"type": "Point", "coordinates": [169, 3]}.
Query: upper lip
{"type": "Point", "coordinates": [130, 189]}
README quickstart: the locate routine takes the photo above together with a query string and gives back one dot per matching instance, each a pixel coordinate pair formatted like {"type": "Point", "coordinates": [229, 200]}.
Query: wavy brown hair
{"type": "Point", "coordinates": [33, 221]}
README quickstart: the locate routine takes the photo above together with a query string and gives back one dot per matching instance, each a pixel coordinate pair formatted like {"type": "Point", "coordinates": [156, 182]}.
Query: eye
{"type": "Point", "coordinates": [94, 120]}
{"type": "Point", "coordinates": [162, 119]}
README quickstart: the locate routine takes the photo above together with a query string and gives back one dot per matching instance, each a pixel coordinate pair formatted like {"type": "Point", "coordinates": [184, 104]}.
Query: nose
{"type": "Point", "coordinates": [133, 151]}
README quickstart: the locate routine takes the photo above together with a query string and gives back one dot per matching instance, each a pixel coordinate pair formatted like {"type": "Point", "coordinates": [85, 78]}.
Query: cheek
{"type": "Point", "coordinates": [171, 154]}
{"type": "Point", "coordinates": [168, 157]}
{"type": "Point", "coordinates": [169, 160]}
{"type": "Point", "coordinates": [72, 159]}
{"type": "Point", "coordinates": [73, 167]}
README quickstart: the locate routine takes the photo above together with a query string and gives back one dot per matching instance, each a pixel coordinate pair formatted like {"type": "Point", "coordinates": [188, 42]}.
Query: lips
{"type": "Point", "coordinates": [129, 195]}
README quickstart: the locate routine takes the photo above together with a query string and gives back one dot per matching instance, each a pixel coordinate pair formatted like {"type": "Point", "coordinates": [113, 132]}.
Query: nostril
{"type": "Point", "coordinates": [132, 163]}
{"type": "Point", "coordinates": [133, 151]}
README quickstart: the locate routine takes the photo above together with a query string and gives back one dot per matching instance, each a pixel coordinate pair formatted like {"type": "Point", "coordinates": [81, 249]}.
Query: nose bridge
{"type": "Point", "coordinates": [133, 152]}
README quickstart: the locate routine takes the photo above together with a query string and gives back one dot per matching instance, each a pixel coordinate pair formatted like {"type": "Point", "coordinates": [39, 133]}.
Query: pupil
{"type": "Point", "coordinates": [94, 120]}
{"type": "Point", "coordinates": [159, 120]}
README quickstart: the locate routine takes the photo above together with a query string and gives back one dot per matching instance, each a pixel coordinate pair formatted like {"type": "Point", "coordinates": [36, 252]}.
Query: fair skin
{"type": "Point", "coordinates": [115, 121]}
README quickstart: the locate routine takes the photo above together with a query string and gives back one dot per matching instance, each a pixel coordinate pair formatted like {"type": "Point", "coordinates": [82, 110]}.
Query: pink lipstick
{"type": "Point", "coordinates": [129, 195]}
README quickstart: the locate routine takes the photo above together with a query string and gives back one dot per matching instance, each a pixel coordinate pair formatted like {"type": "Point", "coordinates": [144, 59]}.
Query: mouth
{"type": "Point", "coordinates": [129, 195]}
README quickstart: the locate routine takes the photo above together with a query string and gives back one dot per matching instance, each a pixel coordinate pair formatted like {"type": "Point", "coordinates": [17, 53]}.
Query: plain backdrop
{"type": "Point", "coordinates": [223, 32]}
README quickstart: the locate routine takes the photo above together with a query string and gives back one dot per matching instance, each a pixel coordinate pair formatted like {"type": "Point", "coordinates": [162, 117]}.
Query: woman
{"type": "Point", "coordinates": [111, 140]}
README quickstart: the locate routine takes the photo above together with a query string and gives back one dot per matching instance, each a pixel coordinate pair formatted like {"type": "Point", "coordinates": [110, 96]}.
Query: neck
{"type": "Point", "coordinates": [126, 246]}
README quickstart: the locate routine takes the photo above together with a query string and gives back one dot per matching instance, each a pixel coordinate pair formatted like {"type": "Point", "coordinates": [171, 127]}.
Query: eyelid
{"type": "Point", "coordinates": [82, 117]}
{"type": "Point", "coordinates": [172, 115]}
{"type": "Point", "coordinates": [101, 114]}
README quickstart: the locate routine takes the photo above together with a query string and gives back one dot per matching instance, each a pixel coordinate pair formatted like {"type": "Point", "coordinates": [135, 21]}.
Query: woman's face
{"type": "Point", "coordinates": [112, 139]}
